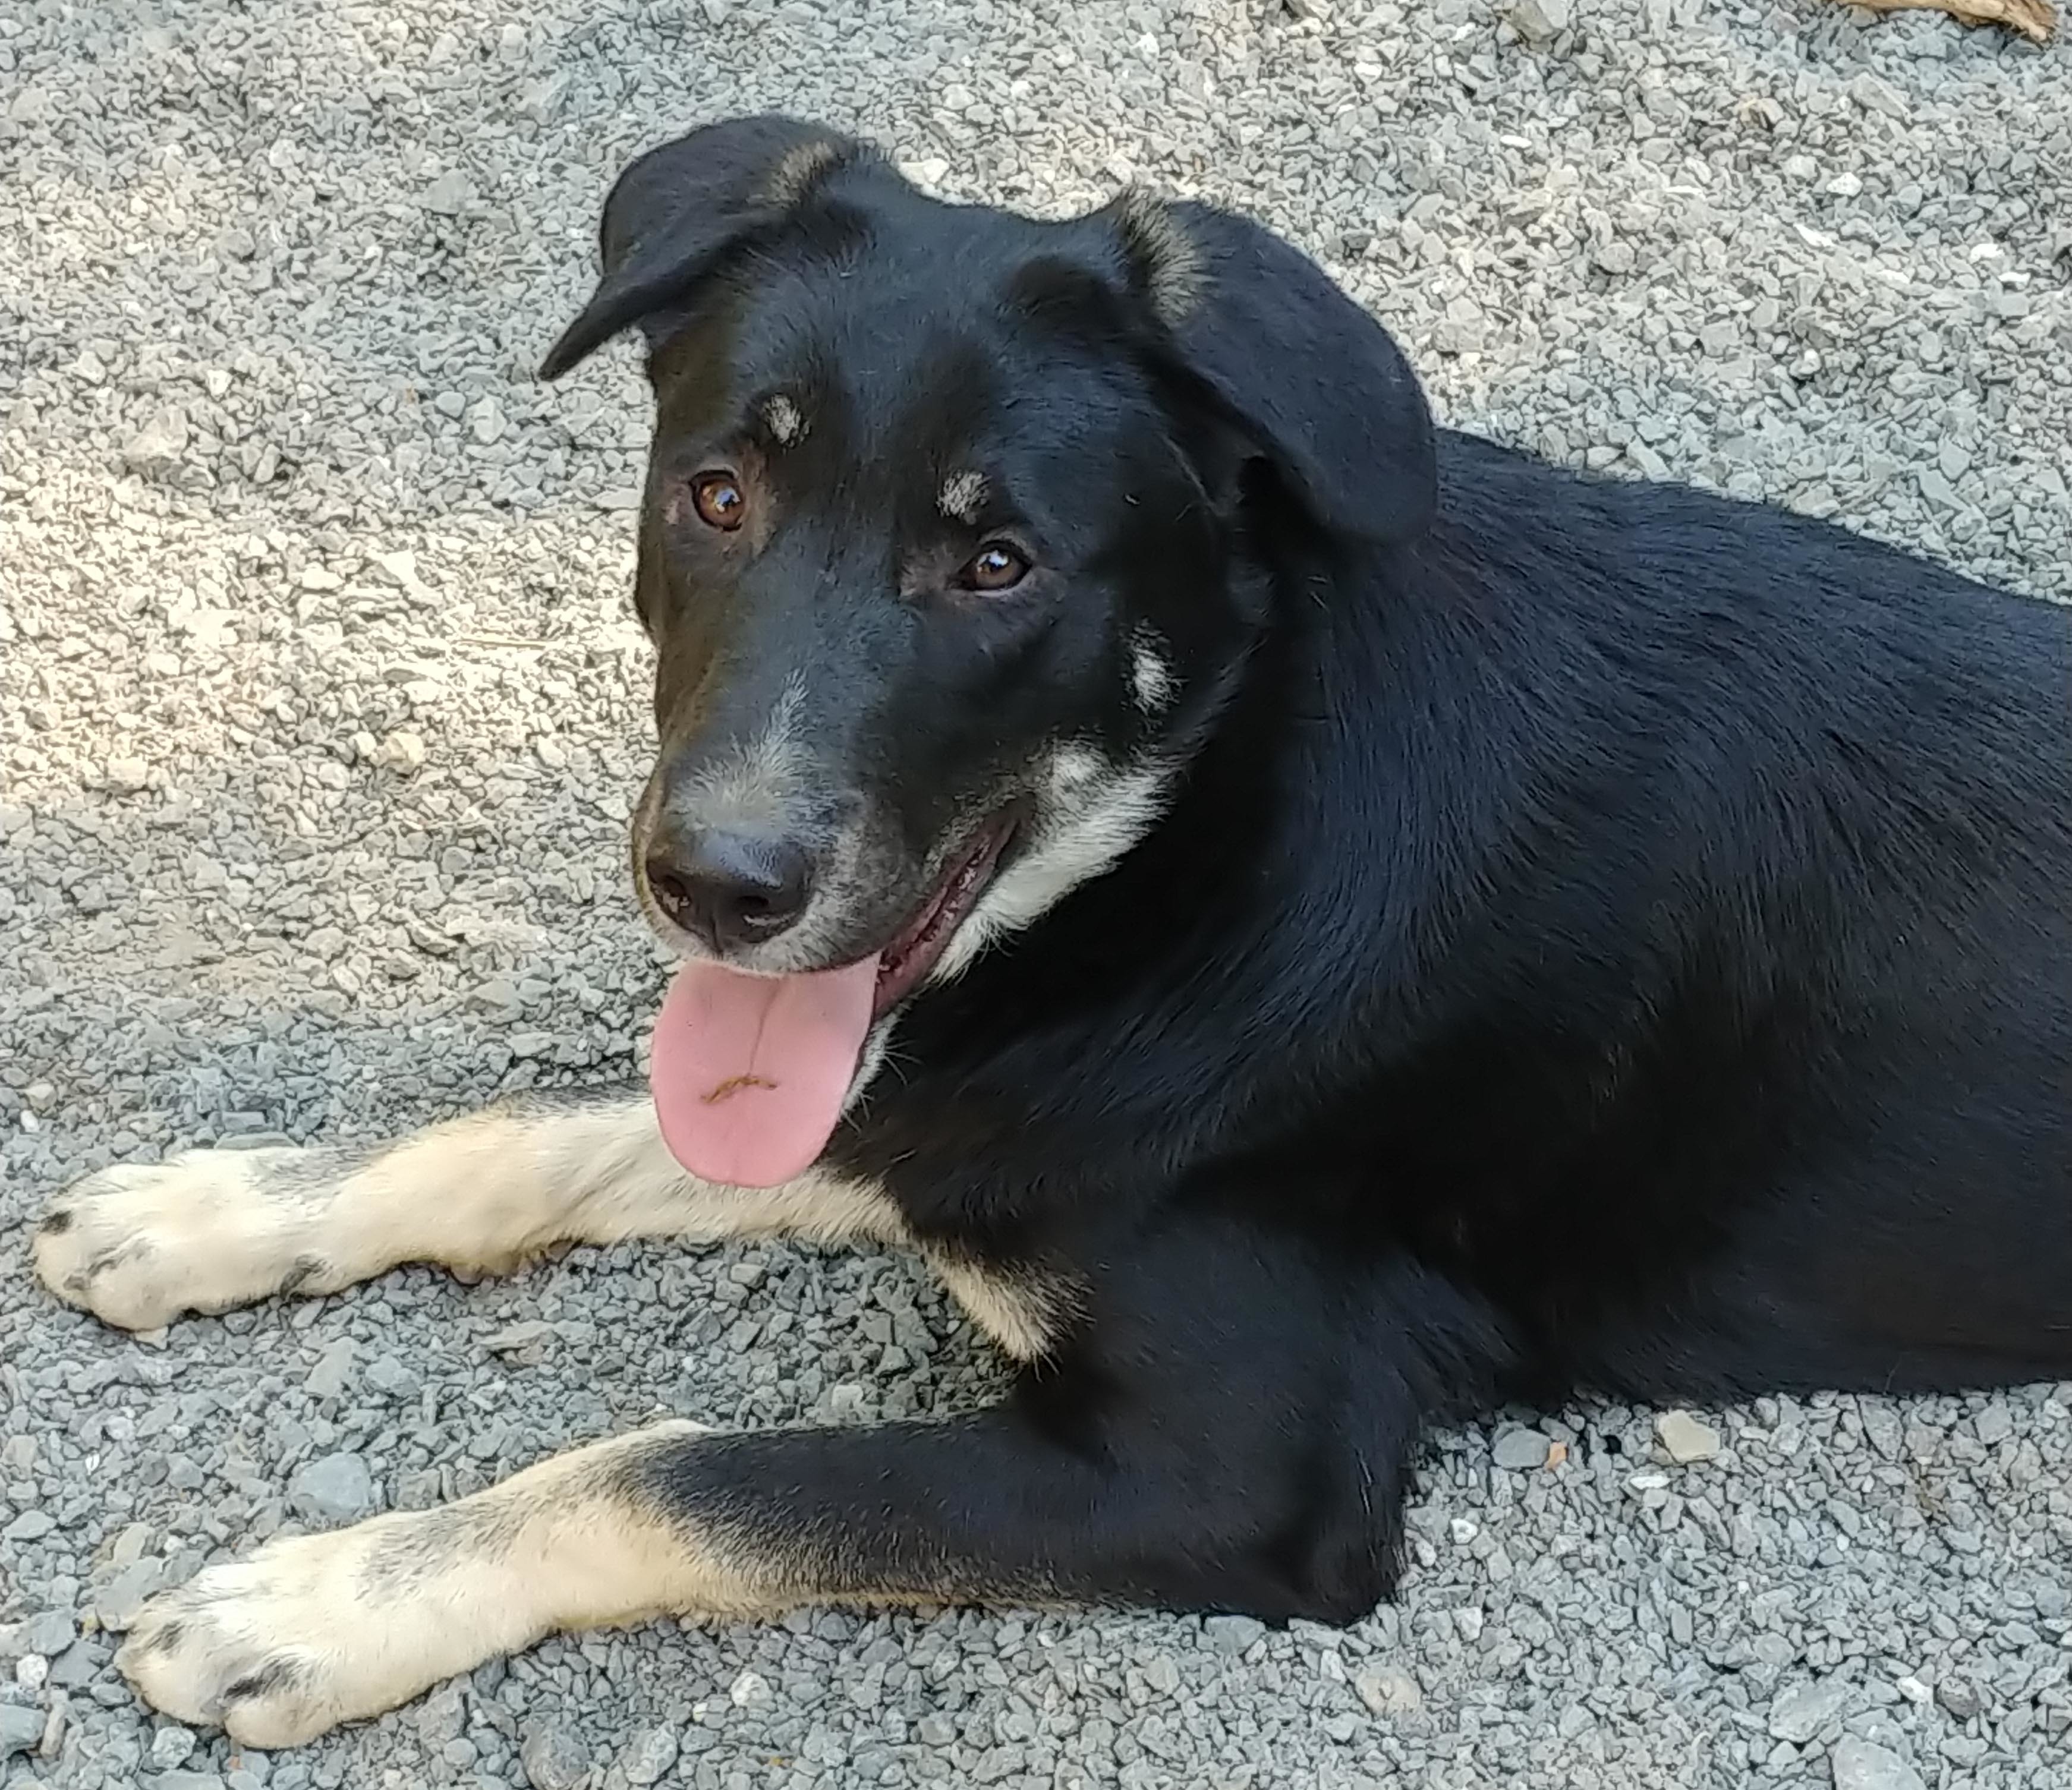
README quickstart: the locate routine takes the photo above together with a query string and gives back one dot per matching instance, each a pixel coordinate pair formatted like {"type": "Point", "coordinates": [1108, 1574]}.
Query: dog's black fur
{"type": "Point", "coordinates": [1594, 935]}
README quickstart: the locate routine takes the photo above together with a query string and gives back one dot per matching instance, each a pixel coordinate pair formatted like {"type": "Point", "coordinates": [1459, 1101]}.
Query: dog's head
{"type": "Point", "coordinates": [949, 544]}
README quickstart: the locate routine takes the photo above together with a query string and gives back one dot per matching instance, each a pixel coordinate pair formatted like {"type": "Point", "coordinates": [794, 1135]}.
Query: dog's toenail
{"type": "Point", "coordinates": [306, 1269]}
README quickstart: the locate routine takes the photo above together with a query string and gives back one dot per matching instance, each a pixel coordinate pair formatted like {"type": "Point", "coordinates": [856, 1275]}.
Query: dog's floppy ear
{"type": "Point", "coordinates": [678, 212]}
{"type": "Point", "coordinates": [1318, 387]}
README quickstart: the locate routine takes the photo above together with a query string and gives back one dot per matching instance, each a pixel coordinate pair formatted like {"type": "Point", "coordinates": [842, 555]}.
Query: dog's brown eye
{"type": "Point", "coordinates": [719, 499]}
{"type": "Point", "coordinates": [997, 567]}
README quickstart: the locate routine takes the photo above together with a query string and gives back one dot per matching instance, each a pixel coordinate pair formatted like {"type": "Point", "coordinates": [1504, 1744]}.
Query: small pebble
{"type": "Point", "coordinates": [1959, 1696]}
{"type": "Point", "coordinates": [1232, 1634]}
{"type": "Point", "coordinates": [1802, 1710]}
{"type": "Point", "coordinates": [334, 1488]}
{"type": "Point", "coordinates": [328, 1378]}
{"type": "Point", "coordinates": [650, 1756]}
{"type": "Point", "coordinates": [1860, 1765]}
{"type": "Point", "coordinates": [172, 1745]}
{"type": "Point", "coordinates": [1388, 1690]}
{"type": "Point", "coordinates": [1520, 1451]}
{"type": "Point", "coordinates": [21, 1729]}
{"type": "Point", "coordinates": [552, 1756]}
{"type": "Point", "coordinates": [1684, 1439]}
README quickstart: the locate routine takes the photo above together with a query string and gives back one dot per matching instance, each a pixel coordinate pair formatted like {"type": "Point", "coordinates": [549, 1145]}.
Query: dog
{"type": "Point", "coordinates": [1312, 925]}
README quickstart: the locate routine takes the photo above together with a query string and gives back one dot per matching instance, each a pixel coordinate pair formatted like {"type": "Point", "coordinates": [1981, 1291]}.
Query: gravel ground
{"type": "Point", "coordinates": [320, 705]}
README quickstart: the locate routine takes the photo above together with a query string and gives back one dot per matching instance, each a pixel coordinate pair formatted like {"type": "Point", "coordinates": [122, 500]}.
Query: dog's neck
{"type": "Point", "coordinates": [1195, 944]}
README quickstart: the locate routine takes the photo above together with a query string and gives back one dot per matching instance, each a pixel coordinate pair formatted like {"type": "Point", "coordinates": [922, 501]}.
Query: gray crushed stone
{"type": "Point", "coordinates": [320, 705]}
{"type": "Point", "coordinates": [335, 1489]}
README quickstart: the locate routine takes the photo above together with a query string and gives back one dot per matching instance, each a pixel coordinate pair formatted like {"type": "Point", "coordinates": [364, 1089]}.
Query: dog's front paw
{"type": "Point", "coordinates": [137, 1244]}
{"type": "Point", "coordinates": [306, 1633]}
{"type": "Point", "coordinates": [321, 1629]}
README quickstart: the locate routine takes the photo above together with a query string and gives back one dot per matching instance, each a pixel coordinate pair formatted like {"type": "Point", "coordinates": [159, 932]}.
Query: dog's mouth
{"type": "Point", "coordinates": [750, 1073]}
{"type": "Point", "coordinates": [904, 962]}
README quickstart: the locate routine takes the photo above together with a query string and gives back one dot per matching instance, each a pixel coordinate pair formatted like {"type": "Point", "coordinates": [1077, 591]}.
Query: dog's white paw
{"type": "Point", "coordinates": [306, 1633]}
{"type": "Point", "coordinates": [138, 1244]}
{"type": "Point", "coordinates": [316, 1630]}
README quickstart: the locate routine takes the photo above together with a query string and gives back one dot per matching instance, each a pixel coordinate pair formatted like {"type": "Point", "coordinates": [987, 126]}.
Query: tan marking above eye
{"type": "Point", "coordinates": [962, 495]}
{"type": "Point", "coordinates": [786, 421]}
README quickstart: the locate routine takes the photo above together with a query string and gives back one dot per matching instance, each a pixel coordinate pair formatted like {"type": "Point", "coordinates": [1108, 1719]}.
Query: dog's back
{"type": "Point", "coordinates": [1756, 991]}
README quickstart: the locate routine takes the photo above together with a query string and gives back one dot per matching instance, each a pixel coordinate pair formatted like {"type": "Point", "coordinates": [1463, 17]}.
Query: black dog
{"type": "Point", "coordinates": [1309, 924]}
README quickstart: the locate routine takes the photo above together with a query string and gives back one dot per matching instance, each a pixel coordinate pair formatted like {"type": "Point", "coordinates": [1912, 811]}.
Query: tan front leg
{"type": "Point", "coordinates": [315, 1629]}
{"type": "Point", "coordinates": [138, 1246]}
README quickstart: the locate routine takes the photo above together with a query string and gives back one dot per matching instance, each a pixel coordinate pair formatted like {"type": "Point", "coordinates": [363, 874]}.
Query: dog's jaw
{"type": "Point", "coordinates": [1093, 812]}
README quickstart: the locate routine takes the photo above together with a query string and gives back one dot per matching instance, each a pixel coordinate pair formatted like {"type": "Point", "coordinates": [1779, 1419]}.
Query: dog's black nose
{"type": "Point", "coordinates": [731, 889]}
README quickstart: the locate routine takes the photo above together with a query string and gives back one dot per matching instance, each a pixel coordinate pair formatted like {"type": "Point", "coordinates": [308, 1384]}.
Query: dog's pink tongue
{"type": "Point", "coordinates": [749, 1072]}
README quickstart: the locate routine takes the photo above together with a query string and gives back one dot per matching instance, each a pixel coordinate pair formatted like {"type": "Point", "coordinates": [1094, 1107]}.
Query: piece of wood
{"type": "Point", "coordinates": [2035, 19]}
